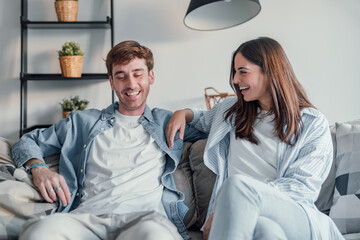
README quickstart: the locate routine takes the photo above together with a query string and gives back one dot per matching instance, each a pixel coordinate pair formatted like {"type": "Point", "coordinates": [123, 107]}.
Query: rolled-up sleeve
{"type": "Point", "coordinates": [40, 143]}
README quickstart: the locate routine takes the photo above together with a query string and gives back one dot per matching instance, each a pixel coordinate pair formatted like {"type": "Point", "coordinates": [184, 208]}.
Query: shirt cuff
{"type": "Point", "coordinates": [197, 115]}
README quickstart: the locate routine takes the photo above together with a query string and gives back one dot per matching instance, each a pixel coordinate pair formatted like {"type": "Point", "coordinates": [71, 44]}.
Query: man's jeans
{"type": "Point", "coordinates": [250, 209]}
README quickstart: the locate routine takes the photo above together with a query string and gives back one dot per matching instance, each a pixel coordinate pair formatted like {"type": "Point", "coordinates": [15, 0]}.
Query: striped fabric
{"type": "Point", "coordinates": [346, 208]}
{"type": "Point", "coordinates": [301, 169]}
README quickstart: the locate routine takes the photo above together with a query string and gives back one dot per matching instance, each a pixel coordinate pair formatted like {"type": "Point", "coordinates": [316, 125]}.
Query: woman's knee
{"type": "Point", "coordinates": [239, 184]}
{"type": "Point", "coordinates": [268, 229]}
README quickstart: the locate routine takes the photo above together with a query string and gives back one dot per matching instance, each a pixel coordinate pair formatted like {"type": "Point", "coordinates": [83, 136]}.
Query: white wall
{"type": "Point", "coordinates": [321, 38]}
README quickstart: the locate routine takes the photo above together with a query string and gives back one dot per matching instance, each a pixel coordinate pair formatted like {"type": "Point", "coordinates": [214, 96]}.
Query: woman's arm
{"type": "Point", "coordinates": [178, 123]}
{"type": "Point", "coordinates": [199, 119]}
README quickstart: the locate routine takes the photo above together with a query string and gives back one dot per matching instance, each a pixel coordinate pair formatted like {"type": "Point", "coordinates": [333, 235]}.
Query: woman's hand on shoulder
{"type": "Point", "coordinates": [176, 123]}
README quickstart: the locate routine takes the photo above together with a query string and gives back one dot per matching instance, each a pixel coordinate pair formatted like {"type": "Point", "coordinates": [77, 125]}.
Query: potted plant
{"type": "Point", "coordinates": [74, 103]}
{"type": "Point", "coordinates": [66, 10]}
{"type": "Point", "coordinates": [71, 59]}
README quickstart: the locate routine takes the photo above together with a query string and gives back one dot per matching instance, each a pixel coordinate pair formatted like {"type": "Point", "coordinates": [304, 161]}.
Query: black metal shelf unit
{"type": "Point", "coordinates": [25, 77]}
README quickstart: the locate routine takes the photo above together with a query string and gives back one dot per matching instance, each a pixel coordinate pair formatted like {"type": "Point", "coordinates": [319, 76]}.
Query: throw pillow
{"type": "Point", "coordinates": [203, 180]}
{"type": "Point", "coordinates": [346, 205]}
{"type": "Point", "coordinates": [183, 181]}
{"type": "Point", "coordinates": [5, 151]}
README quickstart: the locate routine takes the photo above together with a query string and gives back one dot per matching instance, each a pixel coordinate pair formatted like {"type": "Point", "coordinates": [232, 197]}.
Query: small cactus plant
{"type": "Point", "coordinates": [73, 104]}
{"type": "Point", "coordinates": [70, 49]}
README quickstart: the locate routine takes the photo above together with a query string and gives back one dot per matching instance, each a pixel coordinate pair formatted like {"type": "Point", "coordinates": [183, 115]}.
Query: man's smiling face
{"type": "Point", "coordinates": [131, 83]}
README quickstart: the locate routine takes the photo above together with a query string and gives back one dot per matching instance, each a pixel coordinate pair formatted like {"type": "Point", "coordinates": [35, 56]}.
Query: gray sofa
{"type": "Point", "coordinates": [339, 196]}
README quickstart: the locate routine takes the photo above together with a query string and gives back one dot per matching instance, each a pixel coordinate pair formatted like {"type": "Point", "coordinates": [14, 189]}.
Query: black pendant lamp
{"type": "Point", "coordinates": [220, 14]}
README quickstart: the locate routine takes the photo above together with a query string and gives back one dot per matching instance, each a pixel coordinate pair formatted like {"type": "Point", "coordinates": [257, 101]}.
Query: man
{"type": "Point", "coordinates": [115, 171]}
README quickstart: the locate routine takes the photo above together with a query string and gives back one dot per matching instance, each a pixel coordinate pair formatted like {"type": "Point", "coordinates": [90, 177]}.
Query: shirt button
{"type": "Point", "coordinates": [81, 170]}
{"type": "Point", "coordinates": [77, 194]}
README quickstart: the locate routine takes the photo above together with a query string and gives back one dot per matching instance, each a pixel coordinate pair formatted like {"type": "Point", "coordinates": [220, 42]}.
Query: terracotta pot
{"type": "Point", "coordinates": [65, 114]}
{"type": "Point", "coordinates": [66, 10]}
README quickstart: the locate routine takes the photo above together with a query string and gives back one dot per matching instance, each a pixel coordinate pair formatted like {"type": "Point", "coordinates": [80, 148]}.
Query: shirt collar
{"type": "Point", "coordinates": [109, 112]}
{"type": "Point", "coordinates": [148, 114]}
{"type": "Point", "coordinates": [310, 111]}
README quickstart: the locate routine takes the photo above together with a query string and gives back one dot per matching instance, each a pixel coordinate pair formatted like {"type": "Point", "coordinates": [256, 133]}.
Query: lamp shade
{"type": "Point", "coordinates": [220, 14]}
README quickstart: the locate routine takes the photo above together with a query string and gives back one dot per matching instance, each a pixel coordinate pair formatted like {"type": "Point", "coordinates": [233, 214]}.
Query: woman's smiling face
{"type": "Point", "coordinates": [252, 82]}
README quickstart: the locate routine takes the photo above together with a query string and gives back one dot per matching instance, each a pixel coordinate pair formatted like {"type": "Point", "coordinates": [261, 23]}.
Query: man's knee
{"type": "Point", "coordinates": [40, 228]}
{"type": "Point", "coordinates": [56, 226]}
{"type": "Point", "coordinates": [156, 232]}
{"type": "Point", "coordinates": [152, 230]}
{"type": "Point", "coordinates": [147, 230]}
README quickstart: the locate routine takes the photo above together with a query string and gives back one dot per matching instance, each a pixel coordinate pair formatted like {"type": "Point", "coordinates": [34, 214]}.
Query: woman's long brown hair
{"type": "Point", "coordinates": [288, 96]}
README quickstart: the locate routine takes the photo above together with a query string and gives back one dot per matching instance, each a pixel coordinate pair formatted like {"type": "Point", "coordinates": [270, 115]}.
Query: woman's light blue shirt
{"type": "Point", "coordinates": [301, 169]}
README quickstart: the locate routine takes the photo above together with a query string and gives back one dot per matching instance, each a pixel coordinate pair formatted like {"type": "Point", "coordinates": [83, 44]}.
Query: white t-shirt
{"type": "Point", "coordinates": [123, 171]}
{"type": "Point", "coordinates": [257, 161]}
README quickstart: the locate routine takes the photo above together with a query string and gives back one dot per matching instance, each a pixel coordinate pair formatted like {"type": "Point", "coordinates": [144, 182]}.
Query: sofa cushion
{"type": "Point", "coordinates": [196, 181]}
{"type": "Point", "coordinates": [346, 205]}
{"type": "Point", "coordinates": [5, 151]}
{"type": "Point", "coordinates": [183, 182]}
{"type": "Point", "coordinates": [203, 181]}
{"type": "Point", "coordinates": [352, 236]}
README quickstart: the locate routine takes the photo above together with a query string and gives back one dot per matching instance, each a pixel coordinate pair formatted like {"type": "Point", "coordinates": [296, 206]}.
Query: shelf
{"type": "Point", "coordinates": [26, 130]}
{"type": "Point", "coordinates": [66, 25]}
{"type": "Point", "coordinates": [25, 77]}
{"type": "Point", "coordinates": [57, 77]}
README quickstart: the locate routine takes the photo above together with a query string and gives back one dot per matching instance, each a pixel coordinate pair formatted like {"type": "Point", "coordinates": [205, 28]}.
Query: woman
{"type": "Point", "coordinates": [270, 148]}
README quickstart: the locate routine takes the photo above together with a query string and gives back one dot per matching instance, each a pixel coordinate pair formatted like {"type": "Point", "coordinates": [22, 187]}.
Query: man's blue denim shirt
{"type": "Point", "coordinates": [72, 139]}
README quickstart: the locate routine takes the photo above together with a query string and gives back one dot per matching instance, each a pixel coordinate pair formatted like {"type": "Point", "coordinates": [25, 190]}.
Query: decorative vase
{"type": "Point", "coordinates": [65, 114]}
{"type": "Point", "coordinates": [66, 10]}
{"type": "Point", "coordinates": [71, 66]}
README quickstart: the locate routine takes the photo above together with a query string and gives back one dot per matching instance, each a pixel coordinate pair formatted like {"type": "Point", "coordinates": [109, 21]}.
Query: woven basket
{"type": "Point", "coordinates": [71, 66]}
{"type": "Point", "coordinates": [66, 11]}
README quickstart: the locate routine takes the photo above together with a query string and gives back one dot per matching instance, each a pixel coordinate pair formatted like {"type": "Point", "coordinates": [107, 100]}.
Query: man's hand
{"type": "Point", "coordinates": [177, 123]}
{"type": "Point", "coordinates": [51, 185]}
{"type": "Point", "coordinates": [207, 227]}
